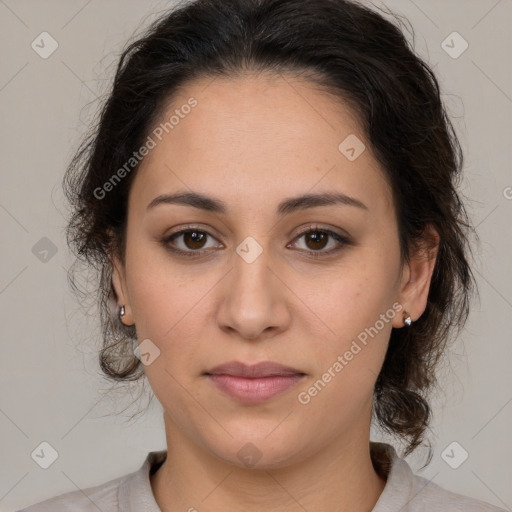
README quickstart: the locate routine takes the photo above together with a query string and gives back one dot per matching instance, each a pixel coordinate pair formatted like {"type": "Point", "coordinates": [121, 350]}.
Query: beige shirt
{"type": "Point", "coordinates": [404, 491]}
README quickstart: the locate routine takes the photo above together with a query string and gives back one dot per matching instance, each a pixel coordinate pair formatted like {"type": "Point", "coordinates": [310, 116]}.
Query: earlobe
{"type": "Point", "coordinates": [417, 277]}
{"type": "Point", "coordinates": [118, 279]}
{"type": "Point", "coordinates": [119, 285]}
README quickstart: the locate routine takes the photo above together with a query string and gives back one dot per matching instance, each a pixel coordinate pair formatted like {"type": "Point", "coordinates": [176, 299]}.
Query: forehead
{"type": "Point", "coordinates": [261, 136]}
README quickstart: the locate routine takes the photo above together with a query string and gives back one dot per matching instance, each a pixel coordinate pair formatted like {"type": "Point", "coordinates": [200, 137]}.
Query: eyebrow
{"type": "Point", "coordinates": [286, 207]}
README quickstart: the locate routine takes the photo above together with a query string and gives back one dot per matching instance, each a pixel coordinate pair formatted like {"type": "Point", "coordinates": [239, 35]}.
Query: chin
{"type": "Point", "coordinates": [254, 450]}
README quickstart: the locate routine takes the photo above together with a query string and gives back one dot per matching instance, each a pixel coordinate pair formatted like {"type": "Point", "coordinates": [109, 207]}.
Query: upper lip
{"type": "Point", "coordinates": [263, 369]}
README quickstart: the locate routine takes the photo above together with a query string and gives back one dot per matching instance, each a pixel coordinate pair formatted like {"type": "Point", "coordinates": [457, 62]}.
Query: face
{"type": "Point", "coordinates": [255, 275]}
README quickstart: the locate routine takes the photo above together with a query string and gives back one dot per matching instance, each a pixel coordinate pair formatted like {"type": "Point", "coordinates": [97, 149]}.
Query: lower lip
{"type": "Point", "coordinates": [254, 390]}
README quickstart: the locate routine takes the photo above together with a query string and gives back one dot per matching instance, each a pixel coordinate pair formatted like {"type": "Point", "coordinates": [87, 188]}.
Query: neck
{"type": "Point", "coordinates": [340, 478]}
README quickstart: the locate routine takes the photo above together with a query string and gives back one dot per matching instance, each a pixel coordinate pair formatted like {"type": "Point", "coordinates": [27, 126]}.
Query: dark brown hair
{"type": "Point", "coordinates": [353, 52]}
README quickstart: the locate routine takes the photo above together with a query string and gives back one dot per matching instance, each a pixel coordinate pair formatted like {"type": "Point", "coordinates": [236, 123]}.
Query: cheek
{"type": "Point", "coordinates": [161, 293]}
{"type": "Point", "coordinates": [169, 311]}
{"type": "Point", "coordinates": [354, 306]}
{"type": "Point", "coordinates": [357, 313]}
{"type": "Point", "coordinates": [351, 297]}
{"type": "Point", "coordinates": [172, 317]}
{"type": "Point", "coordinates": [162, 301]}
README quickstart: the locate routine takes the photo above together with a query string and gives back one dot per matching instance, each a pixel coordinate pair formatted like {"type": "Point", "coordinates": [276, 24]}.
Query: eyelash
{"type": "Point", "coordinates": [342, 240]}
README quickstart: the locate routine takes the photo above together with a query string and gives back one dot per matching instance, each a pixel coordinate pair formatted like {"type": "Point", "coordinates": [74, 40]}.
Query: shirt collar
{"type": "Point", "coordinates": [135, 492]}
{"type": "Point", "coordinates": [399, 490]}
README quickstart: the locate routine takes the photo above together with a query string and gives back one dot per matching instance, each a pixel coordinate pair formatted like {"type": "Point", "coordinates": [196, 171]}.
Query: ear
{"type": "Point", "coordinates": [416, 277]}
{"type": "Point", "coordinates": [119, 284]}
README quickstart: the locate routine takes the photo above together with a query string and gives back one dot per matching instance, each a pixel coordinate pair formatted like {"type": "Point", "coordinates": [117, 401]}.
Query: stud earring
{"type": "Point", "coordinates": [121, 312]}
{"type": "Point", "coordinates": [407, 319]}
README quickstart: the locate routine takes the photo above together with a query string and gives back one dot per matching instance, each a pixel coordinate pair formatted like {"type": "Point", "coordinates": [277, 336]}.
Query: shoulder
{"type": "Point", "coordinates": [408, 492]}
{"type": "Point", "coordinates": [131, 492]}
{"type": "Point", "coordinates": [428, 496]}
{"type": "Point", "coordinates": [102, 497]}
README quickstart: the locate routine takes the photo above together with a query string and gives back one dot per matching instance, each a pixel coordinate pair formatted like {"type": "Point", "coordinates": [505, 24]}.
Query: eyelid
{"type": "Point", "coordinates": [341, 239]}
{"type": "Point", "coordinates": [192, 227]}
{"type": "Point", "coordinates": [324, 229]}
{"type": "Point", "coordinates": [186, 229]}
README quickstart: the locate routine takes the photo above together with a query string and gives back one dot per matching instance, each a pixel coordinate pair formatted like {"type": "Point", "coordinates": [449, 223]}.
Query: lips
{"type": "Point", "coordinates": [263, 369]}
{"type": "Point", "coordinates": [253, 383]}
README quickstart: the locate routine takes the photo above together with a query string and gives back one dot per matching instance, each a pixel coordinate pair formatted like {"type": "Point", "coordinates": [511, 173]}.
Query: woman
{"type": "Point", "coordinates": [270, 199]}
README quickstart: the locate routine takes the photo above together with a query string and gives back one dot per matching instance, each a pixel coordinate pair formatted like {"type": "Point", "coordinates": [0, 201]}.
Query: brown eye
{"type": "Point", "coordinates": [316, 240]}
{"type": "Point", "coordinates": [190, 242]}
{"type": "Point", "coordinates": [194, 239]}
{"type": "Point", "coordinates": [193, 242]}
{"type": "Point", "coordinates": [320, 242]}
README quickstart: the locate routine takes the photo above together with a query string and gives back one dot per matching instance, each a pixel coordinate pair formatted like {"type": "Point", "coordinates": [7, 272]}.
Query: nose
{"type": "Point", "coordinates": [254, 301]}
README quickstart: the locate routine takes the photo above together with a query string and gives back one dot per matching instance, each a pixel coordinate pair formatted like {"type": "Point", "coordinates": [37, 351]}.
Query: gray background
{"type": "Point", "coordinates": [51, 388]}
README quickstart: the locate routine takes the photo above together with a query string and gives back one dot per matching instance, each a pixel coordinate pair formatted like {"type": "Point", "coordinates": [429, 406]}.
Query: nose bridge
{"type": "Point", "coordinates": [253, 302]}
{"type": "Point", "coordinates": [251, 276]}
